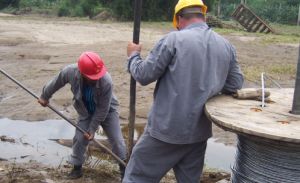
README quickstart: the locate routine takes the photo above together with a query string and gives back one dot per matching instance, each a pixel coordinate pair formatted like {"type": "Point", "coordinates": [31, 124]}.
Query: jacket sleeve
{"type": "Point", "coordinates": [149, 70]}
{"type": "Point", "coordinates": [56, 83]}
{"type": "Point", "coordinates": [235, 78]}
{"type": "Point", "coordinates": [102, 107]}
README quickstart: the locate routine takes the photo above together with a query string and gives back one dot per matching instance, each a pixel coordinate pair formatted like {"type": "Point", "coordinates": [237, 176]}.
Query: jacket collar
{"type": "Point", "coordinates": [201, 25]}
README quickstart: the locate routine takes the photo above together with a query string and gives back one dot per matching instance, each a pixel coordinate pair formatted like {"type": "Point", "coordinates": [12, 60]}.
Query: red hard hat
{"type": "Point", "coordinates": [91, 65]}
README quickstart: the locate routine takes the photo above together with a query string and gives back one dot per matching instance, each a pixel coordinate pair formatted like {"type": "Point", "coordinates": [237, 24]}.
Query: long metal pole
{"type": "Point", "coordinates": [296, 101]}
{"type": "Point", "coordinates": [136, 39]}
{"type": "Point", "coordinates": [64, 117]}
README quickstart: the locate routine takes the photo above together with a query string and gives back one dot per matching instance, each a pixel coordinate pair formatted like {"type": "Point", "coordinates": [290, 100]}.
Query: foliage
{"type": "Point", "coordinates": [79, 8]}
{"type": "Point", "coordinates": [152, 9]}
{"type": "Point", "coordinates": [276, 11]}
{"type": "Point", "coordinates": [6, 3]}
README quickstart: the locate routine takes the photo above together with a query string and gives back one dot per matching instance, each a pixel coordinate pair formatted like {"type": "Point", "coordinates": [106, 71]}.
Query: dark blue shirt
{"type": "Point", "coordinates": [88, 99]}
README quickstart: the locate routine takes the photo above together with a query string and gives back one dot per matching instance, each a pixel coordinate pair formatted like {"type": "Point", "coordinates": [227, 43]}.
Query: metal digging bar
{"type": "Point", "coordinates": [296, 102]}
{"type": "Point", "coordinates": [136, 39]}
{"type": "Point", "coordinates": [65, 118]}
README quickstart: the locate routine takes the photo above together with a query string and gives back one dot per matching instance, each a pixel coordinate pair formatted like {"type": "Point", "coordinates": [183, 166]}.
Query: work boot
{"type": "Point", "coordinates": [122, 171]}
{"type": "Point", "coordinates": [76, 173]}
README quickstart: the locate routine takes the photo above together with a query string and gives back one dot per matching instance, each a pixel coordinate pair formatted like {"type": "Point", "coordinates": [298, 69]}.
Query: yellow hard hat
{"type": "Point", "coordinates": [188, 3]}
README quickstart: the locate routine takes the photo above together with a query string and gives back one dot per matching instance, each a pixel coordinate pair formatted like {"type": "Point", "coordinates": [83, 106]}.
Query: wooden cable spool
{"type": "Point", "coordinates": [271, 130]}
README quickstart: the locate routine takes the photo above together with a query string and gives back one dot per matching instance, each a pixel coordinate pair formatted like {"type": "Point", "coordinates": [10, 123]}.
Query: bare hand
{"type": "Point", "coordinates": [131, 48]}
{"type": "Point", "coordinates": [89, 136]}
{"type": "Point", "coordinates": [43, 102]}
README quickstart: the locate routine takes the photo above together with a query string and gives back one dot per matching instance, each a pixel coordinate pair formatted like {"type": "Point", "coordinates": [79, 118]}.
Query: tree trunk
{"type": "Point", "coordinates": [219, 9]}
{"type": "Point", "coordinates": [298, 22]}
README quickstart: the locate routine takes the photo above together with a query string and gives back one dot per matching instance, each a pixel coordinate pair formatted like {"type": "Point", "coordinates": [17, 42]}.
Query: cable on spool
{"type": "Point", "coordinates": [266, 161]}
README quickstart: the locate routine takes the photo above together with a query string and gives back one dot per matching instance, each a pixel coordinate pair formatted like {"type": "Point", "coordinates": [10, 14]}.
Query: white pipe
{"type": "Point", "coordinates": [262, 90]}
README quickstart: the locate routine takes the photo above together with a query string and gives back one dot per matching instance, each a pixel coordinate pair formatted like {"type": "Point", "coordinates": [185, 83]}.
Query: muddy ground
{"type": "Point", "coordinates": [33, 49]}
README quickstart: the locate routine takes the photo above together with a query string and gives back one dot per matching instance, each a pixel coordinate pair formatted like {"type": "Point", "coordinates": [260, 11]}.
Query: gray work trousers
{"type": "Point", "coordinates": [151, 159]}
{"type": "Point", "coordinates": [111, 127]}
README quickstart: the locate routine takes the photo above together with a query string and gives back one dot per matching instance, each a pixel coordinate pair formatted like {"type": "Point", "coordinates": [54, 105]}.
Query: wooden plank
{"type": "Point", "coordinates": [247, 117]}
{"type": "Point", "coordinates": [237, 11]}
{"type": "Point", "coordinates": [249, 20]}
{"type": "Point", "coordinates": [260, 19]}
{"type": "Point", "coordinates": [250, 28]}
{"type": "Point", "coordinates": [91, 147]}
{"type": "Point", "coordinates": [242, 20]}
{"type": "Point", "coordinates": [263, 29]}
{"type": "Point", "coordinates": [238, 17]}
{"type": "Point", "coordinates": [241, 14]}
{"type": "Point", "coordinates": [257, 27]}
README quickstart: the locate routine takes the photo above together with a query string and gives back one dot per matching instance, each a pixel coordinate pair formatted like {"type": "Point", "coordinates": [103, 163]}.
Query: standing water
{"type": "Point", "coordinates": [32, 142]}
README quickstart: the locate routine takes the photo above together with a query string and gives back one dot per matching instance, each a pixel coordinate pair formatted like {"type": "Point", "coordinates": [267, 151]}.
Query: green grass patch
{"type": "Point", "coordinates": [286, 29]}
{"type": "Point", "coordinates": [277, 39]}
{"type": "Point", "coordinates": [253, 73]}
{"type": "Point", "coordinates": [230, 31]}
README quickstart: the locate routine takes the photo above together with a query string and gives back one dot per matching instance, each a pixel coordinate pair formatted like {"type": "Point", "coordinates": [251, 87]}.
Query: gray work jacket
{"type": "Point", "coordinates": [103, 95]}
{"type": "Point", "coordinates": [190, 66]}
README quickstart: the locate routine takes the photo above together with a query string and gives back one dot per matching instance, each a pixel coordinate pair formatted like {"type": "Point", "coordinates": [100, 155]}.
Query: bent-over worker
{"type": "Point", "coordinates": [95, 104]}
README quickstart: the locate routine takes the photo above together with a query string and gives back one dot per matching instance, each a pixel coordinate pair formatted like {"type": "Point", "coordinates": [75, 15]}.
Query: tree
{"type": "Point", "coordinates": [6, 3]}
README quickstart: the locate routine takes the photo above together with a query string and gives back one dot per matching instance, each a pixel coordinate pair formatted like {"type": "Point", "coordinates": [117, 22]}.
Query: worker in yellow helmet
{"type": "Point", "coordinates": [190, 66]}
{"type": "Point", "coordinates": [188, 7]}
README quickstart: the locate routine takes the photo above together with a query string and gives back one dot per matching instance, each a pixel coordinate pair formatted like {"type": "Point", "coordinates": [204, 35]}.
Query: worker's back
{"type": "Point", "coordinates": [200, 66]}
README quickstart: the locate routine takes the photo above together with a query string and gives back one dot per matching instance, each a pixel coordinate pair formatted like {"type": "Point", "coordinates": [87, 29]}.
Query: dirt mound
{"type": "Point", "coordinates": [104, 16]}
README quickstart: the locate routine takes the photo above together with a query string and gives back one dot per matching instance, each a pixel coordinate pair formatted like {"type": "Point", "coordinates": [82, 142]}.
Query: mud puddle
{"type": "Point", "coordinates": [32, 142]}
{"type": "Point", "coordinates": [219, 156]}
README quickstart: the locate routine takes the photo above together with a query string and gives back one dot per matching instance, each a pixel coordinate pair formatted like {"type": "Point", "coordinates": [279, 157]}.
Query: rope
{"type": "Point", "coordinates": [266, 161]}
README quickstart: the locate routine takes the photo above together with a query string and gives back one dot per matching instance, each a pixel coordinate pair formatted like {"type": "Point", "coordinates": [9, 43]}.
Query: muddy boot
{"type": "Point", "coordinates": [76, 172]}
{"type": "Point", "coordinates": [122, 171]}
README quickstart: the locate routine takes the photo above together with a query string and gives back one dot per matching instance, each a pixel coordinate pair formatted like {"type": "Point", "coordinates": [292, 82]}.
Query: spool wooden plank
{"type": "Point", "coordinates": [248, 117]}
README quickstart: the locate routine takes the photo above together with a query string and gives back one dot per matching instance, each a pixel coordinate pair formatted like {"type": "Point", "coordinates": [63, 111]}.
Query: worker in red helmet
{"type": "Point", "coordinates": [95, 104]}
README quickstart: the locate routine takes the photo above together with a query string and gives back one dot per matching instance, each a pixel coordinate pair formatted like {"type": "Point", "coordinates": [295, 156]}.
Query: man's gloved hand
{"type": "Point", "coordinates": [131, 48]}
{"type": "Point", "coordinates": [89, 136]}
{"type": "Point", "coordinates": [43, 102]}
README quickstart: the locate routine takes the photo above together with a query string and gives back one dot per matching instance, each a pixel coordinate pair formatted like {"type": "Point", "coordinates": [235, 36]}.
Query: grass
{"type": "Point", "coordinates": [284, 34]}
{"type": "Point", "coordinates": [276, 71]}
{"type": "Point", "coordinates": [277, 39]}
{"type": "Point", "coordinates": [286, 29]}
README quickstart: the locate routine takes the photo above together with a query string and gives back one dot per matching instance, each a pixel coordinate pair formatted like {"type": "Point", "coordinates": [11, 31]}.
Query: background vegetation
{"type": "Point", "coordinates": [276, 11]}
